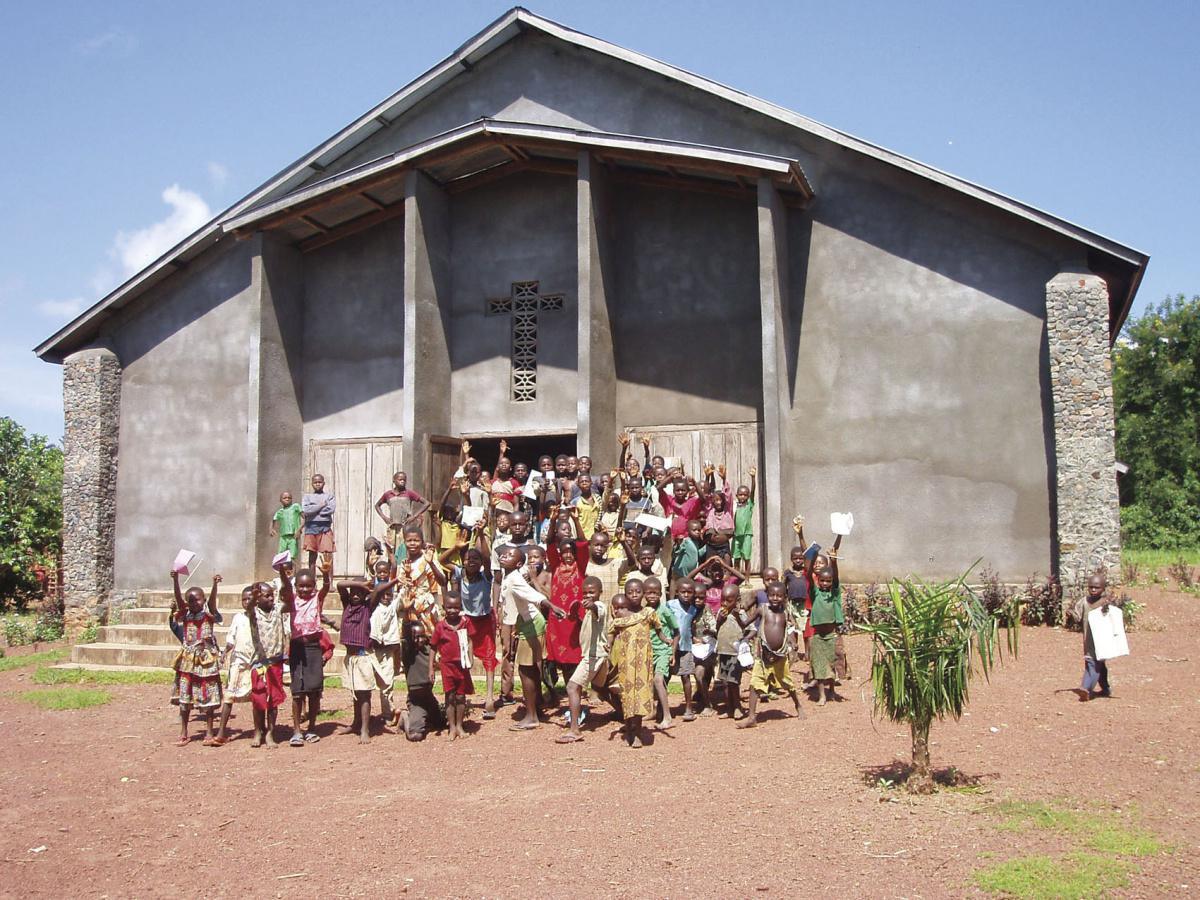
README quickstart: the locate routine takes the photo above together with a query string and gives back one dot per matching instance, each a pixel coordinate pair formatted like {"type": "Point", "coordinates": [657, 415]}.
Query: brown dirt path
{"type": "Point", "coordinates": [789, 808]}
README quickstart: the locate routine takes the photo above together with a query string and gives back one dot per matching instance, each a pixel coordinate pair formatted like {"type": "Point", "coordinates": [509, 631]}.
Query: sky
{"type": "Point", "coordinates": [129, 125]}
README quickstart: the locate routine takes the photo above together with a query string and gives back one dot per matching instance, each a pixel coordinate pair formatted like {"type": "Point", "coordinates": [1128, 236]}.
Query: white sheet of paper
{"type": "Point", "coordinates": [672, 462]}
{"type": "Point", "coordinates": [471, 516]}
{"type": "Point", "coordinates": [531, 486]}
{"type": "Point", "coordinates": [281, 559]}
{"type": "Point", "coordinates": [701, 649]}
{"type": "Point", "coordinates": [1108, 633]}
{"type": "Point", "coordinates": [841, 523]}
{"type": "Point", "coordinates": [464, 650]}
{"type": "Point", "coordinates": [185, 562]}
{"type": "Point", "coordinates": [658, 523]}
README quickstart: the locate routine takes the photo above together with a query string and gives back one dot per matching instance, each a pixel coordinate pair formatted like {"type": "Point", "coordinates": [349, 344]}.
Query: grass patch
{"type": "Point", "coordinates": [1074, 877]}
{"type": "Point", "coordinates": [1125, 840]}
{"type": "Point", "coordinates": [61, 698]}
{"type": "Point", "coordinates": [326, 714]}
{"type": "Point", "coordinates": [45, 675]}
{"type": "Point", "coordinates": [1100, 830]}
{"type": "Point", "coordinates": [1153, 560]}
{"type": "Point", "coordinates": [332, 682]}
{"type": "Point", "coordinates": [8, 663]}
{"type": "Point", "coordinates": [1018, 815]}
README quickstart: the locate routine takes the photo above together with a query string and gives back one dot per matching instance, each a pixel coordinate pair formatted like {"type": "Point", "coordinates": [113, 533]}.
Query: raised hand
{"type": "Point", "coordinates": [646, 441]}
{"type": "Point", "coordinates": [721, 470]}
{"type": "Point", "coordinates": [216, 579]}
{"type": "Point", "coordinates": [623, 438]}
{"type": "Point", "coordinates": [503, 447]}
{"type": "Point", "coordinates": [753, 471]}
{"type": "Point", "coordinates": [466, 447]}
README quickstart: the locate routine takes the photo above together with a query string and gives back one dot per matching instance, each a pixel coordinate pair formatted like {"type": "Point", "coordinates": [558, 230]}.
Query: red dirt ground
{"type": "Point", "coordinates": [790, 808]}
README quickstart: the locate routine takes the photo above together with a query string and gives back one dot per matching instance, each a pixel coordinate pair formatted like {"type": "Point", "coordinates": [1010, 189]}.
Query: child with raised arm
{"type": "Point", "coordinates": [743, 524]}
{"type": "Point", "coordinates": [304, 603]}
{"type": "Point", "coordinates": [505, 487]}
{"type": "Point", "coordinates": [198, 664]}
{"type": "Point", "coordinates": [663, 644]}
{"type": "Point", "coordinates": [385, 638]}
{"type": "Point", "coordinates": [472, 582]}
{"type": "Point", "coordinates": [452, 648]}
{"type": "Point", "coordinates": [358, 674]}
{"type": "Point", "coordinates": [776, 636]}
{"type": "Point", "coordinates": [286, 524]}
{"type": "Point", "coordinates": [422, 713]}
{"type": "Point", "coordinates": [827, 614]}
{"type": "Point", "coordinates": [318, 509]}
{"type": "Point", "coordinates": [718, 516]}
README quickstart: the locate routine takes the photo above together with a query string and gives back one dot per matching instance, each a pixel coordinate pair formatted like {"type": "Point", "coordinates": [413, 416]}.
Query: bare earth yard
{"type": "Point", "coordinates": [793, 808]}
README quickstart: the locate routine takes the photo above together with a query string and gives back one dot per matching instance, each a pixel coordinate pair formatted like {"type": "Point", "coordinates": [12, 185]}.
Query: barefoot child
{"type": "Point", "coordinates": [266, 664]}
{"type": "Point", "coordinates": [685, 610]}
{"type": "Point", "coordinates": [663, 644]}
{"type": "Point", "coordinates": [1095, 671]}
{"type": "Point", "coordinates": [239, 650]}
{"type": "Point", "coordinates": [472, 582]}
{"type": "Point", "coordinates": [634, 659]}
{"type": "Point", "coordinates": [304, 605]}
{"type": "Point", "coordinates": [518, 594]}
{"type": "Point", "coordinates": [731, 627]}
{"type": "Point", "coordinates": [743, 524]}
{"type": "Point", "coordinates": [422, 713]}
{"type": "Point", "coordinates": [776, 635]}
{"type": "Point", "coordinates": [286, 525]}
{"type": "Point", "coordinates": [318, 508]}
{"type": "Point", "coordinates": [452, 648]}
{"type": "Point", "coordinates": [358, 675]}
{"type": "Point", "coordinates": [198, 665]}
{"type": "Point", "coordinates": [593, 665]}
{"type": "Point", "coordinates": [826, 592]}
{"type": "Point", "coordinates": [385, 638]}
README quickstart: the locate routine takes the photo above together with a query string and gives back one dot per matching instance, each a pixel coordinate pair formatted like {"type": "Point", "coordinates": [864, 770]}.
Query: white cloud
{"type": "Point", "coordinates": [137, 249]}
{"type": "Point", "coordinates": [115, 41]}
{"type": "Point", "coordinates": [62, 309]}
{"type": "Point", "coordinates": [217, 174]}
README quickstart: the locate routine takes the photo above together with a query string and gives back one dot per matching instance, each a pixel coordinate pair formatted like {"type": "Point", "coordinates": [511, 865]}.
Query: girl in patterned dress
{"type": "Point", "coordinates": [198, 665]}
{"type": "Point", "coordinates": [418, 581]}
{"type": "Point", "coordinates": [633, 657]}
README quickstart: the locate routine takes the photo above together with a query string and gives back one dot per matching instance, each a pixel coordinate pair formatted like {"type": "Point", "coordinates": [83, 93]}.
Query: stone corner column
{"type": "Point", "coordinates": [1088, 523]}
{"type": "Point", "coordinates": [91, 419]}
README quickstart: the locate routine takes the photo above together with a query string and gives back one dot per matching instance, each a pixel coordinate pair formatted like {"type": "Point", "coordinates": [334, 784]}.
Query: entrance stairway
{"type": "Point", "coordinates": [143, 640]}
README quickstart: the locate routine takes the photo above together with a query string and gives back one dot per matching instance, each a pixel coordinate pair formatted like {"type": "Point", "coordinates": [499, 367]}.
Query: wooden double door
{"type": "Point", "coordinates": [357, 471]}
{"type": "Point", "coordinates": [738, 445]}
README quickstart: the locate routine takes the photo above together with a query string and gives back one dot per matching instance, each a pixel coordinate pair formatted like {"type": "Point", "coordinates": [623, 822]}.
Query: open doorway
{"type": "Point", "coordinates": [522, 448]}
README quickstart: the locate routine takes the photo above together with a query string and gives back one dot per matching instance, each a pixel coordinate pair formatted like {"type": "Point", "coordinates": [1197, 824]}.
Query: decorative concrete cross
{"type": "Point", "coordinates": [524, 303]}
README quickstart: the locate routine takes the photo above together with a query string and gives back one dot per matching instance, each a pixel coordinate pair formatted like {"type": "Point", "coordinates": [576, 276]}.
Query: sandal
{"type": "Point", "coordinates": [297, 740]}
{"type": "Point", "coordinates": [218, 742]}
{"type": "Point", "coordinates": [568, 738]}
{"type": "Point", "coordinates": [311, 737]}
{"type": "Point", "coordinates": [522, 726]}
{"type": "Point", "coordinates": [183, 742]}
{"type": "Point", "coordinates": [489, 715]}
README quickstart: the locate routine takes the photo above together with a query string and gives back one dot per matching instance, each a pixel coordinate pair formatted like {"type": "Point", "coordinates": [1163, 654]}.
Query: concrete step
{"type": "Point", "coordinates": [158, 615]}
{"type": "Point", "coordinates": [152, 657]}
{"type": "Point", "coordinates": [158, 635]}
{"type": "Point", "coordinates": [233, 601]}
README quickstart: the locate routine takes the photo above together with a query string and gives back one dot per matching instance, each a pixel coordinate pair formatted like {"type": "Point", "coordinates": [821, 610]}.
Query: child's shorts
{"type": "Point", "coordinates": [741, 544]}
{"type": "Point", "coordinates": [267, 686]}
{"type": "Point", "coordinates": [729, 670]}
{"type": "Point", "coordinates": [455, 679]}
{"type": "Point", "coordinates": [482, 631]}
{"type": "Point", "coordinates": [775, 675]}
{"type": "Point", "coordinates": [319, 543]}
{"type": "Point", "coordinates": [358, 673]}
{"type": "Point", "coordinates": [685, 663]}
{"type": "Point", "coordinates": [662, 663]}
{"type": "Point", "coordinates": [590, 671]}
{"type": "Point", "coordinates": [237, 689]}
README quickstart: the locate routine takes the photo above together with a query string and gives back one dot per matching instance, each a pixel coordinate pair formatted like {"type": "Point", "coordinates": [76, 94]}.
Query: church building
{"type": "Point", "coordinates": [549, 238]}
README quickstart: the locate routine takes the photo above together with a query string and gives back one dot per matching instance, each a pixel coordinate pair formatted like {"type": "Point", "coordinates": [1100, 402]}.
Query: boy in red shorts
{"type": "Point", "coordinates": [452, 647]}
{"type": "Point", "coordinates": [472, 582]}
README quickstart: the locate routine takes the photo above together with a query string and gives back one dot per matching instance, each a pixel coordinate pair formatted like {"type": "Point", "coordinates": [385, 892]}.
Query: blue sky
{"type": "Point", "coordinates": [128, 124]}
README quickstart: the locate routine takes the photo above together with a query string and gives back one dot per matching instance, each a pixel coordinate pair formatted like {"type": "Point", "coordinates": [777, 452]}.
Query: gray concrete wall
{"type": "Point", "coordinates": [353, 359]}
{"type": "Point", "coordinates": [686, 277]}
{"type": "Point", "coordinates": [182, 473]}
{"type": "Point", "coordinates": [918, 383]}
{"type": "Point", "coordinates": [522, 228]}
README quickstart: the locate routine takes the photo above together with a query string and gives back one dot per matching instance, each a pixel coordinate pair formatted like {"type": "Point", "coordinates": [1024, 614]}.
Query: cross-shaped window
{"type": "Point", "coordinates": [523, 304]}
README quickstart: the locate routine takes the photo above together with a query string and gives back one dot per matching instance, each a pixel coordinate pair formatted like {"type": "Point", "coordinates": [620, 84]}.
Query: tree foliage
{"type": "Point", "coordinates": [31, 472]}
{"type": "Point", "coordinates": [936, 638]}
{"type": "Point", "coordinates": [1156, 394]}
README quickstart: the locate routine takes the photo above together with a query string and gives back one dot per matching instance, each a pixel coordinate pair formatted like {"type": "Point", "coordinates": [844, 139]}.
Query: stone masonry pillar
{"type": "Point", "coordinates": [1088, 514]}
{"type": "Point", "coordinates": [91, 414]}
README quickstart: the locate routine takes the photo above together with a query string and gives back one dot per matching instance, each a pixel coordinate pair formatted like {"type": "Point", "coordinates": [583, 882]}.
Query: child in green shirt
{"type": "Point", "coordinates": [662, 650]}
{"type": "Point", "coordinates": [286, 524]}
{"type": "Point", "coordinates": [743, 524]}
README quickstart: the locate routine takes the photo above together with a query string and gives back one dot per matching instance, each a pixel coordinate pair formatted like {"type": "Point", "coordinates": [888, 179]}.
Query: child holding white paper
{"type": "Point", "coordinates": [1095, 670]}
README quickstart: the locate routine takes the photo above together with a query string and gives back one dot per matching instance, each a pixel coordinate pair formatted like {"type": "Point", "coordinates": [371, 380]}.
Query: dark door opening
{"type": "Point", "coordinates": [524, 449]}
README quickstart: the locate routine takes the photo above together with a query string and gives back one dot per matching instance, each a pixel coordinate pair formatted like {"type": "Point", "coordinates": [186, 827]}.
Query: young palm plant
{"type": "Point", "coordinates": [927, 648]}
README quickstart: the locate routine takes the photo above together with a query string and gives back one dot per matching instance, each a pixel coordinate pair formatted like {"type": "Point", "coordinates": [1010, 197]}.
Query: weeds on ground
{"type": "Point", "coordinates": [1183, 574]}
{"type": "Point", "coordinates": [89, 634]}
{"type": "Point", "coordinates": [1043, 602]}
{"type": "Point", "coordinates": [1078, 876]}
{"type": "Point", "coordinates": [8, 663]}
{"type": "Point", "coordinates": [46, 675]}
{"type": "Point", "coordinates": [32, 628]}
{"type": "Point", "coordinates": [1112, 844]}
{"type": "Point", "coordinates": [63, 698]}
{"type": "Point", "coordinates": [1131, 572]}
{"type": "Point", "coordinates": [326, 714]}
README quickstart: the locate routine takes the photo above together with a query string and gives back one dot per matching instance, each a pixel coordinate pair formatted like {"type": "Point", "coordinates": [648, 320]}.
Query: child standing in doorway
{"type": "Point", "coordinates": [286, 525]}
{"type": "Point", "coordinates": [318, 508]}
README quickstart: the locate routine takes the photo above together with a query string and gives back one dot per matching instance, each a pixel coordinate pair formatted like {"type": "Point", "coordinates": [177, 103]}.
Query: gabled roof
{"type": "Point", "coordinates": [500, 32]}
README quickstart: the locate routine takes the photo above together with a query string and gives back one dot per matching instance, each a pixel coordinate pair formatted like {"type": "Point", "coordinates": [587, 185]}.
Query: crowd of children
{"type": "Point", "coordinates": [606, 583]}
